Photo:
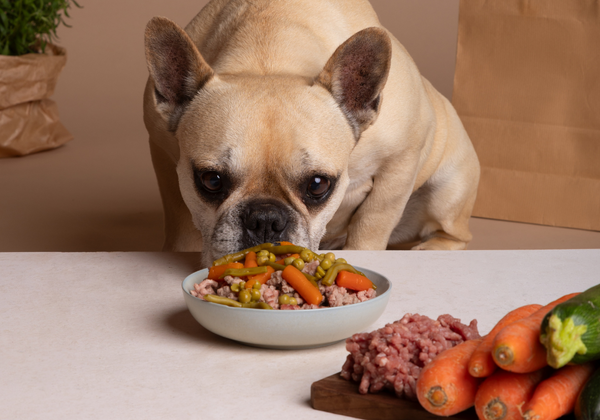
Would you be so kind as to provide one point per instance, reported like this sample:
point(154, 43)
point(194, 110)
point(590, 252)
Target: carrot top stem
point(437, 396)
point(495, 410)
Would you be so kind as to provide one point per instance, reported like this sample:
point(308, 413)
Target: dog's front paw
point(441, 244)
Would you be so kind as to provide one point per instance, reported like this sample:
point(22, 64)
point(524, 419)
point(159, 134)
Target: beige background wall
point(98, 193)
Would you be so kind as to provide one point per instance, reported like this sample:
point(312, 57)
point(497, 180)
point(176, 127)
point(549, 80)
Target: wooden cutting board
point(336, 395)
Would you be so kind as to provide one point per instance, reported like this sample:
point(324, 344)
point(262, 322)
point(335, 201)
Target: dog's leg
point(180, 233)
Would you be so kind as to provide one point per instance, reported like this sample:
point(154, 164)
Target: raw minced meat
point(392, 357)
point(276, 286)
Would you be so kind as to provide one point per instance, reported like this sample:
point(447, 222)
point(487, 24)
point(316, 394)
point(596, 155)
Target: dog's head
point(264, 158)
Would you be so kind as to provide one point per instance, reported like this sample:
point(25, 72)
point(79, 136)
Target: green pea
point(341, 260)
point(284, 300)
point(244, 296)
point(330, 256)
point(320, 272)
point(288, 260)
point(235, 287)
point(262, 260)
point(298, 263)
point(257, 285)
point(293, 301)
point(272, 257)
point(307, 255)
point(326, 264)
point(255, 295)
point(264, 252)
point(242, 285)
point(321, 257)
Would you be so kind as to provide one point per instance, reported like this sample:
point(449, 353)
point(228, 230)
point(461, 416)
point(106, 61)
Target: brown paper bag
point(527, 88)
point(29, 121)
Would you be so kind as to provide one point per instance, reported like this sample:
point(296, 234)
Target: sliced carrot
point(282, 261)
point(482, 363)
point(217, 271)
point(261, 278)
point(285, 243)
point(353, 281)
point(556, 396)
point(501, 395)
point(445, 386)
point(517, 347)
point(250, 260)
point(298, 281)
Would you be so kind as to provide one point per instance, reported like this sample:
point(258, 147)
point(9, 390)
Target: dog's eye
point(318, 186)
point(212, 181)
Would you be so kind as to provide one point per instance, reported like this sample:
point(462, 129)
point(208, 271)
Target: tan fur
point(268, 104)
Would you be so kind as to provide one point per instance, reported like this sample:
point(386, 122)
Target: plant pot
point(29, 121)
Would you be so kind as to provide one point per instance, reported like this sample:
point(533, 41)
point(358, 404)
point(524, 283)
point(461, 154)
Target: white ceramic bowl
point(287, 329)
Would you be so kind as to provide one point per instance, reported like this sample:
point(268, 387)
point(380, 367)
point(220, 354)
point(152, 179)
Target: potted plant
point(29, 68)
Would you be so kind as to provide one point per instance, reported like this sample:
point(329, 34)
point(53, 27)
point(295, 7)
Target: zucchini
point(571, 331)
point(587, 406)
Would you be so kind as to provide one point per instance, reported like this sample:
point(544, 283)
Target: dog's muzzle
point(264, 222)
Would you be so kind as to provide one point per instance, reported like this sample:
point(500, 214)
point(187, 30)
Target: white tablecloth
point(108, 336)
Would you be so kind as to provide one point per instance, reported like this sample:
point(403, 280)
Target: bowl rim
point(326, 308)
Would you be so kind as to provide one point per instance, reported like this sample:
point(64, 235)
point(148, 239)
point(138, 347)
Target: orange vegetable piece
point(557, 395)
point(501, 395)
point(261, 278)
point(250, 260)
point(217, 271)
point(298, 281)
point(517, 347)
point(445, 386)
point(482, 363)
point(353, 281)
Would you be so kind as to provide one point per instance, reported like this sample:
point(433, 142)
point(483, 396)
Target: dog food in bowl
point(283, 276)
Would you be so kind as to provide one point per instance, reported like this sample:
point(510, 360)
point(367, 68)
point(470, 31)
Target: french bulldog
point(304, 121)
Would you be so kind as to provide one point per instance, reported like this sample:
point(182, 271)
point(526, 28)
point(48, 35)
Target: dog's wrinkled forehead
point(250, 124)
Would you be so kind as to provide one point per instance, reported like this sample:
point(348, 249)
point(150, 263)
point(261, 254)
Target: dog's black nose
point(264, 222)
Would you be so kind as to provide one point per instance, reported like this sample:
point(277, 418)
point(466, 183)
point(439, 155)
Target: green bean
point(257, 305)
point(240, 272)
point(237, 256)
point(275, 266)
point(286, 249)
point(222, 301)
point(332, 273)
point(320, 271)
point(288, 260)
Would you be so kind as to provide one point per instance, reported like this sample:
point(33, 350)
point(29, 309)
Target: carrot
point(444, 386)
point(517, 347)
point(353, 281)
point(556, 396)
point(261, 278)
point(217, 271)
point(282, 261)
point(250, 260)
point(501, 395)
point(298, 281)
point(285, 243)
point(482, 363)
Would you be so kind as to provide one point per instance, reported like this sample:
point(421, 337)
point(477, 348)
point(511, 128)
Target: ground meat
point(207, 287)
point(270, 295)
point(276, 286)
point(393, 356)
point(311, 267)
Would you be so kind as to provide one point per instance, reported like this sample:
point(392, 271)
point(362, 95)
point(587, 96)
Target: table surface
point(108, 335)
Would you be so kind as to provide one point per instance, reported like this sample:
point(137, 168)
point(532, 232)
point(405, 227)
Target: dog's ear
point(356, 74)
point(176, 67)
